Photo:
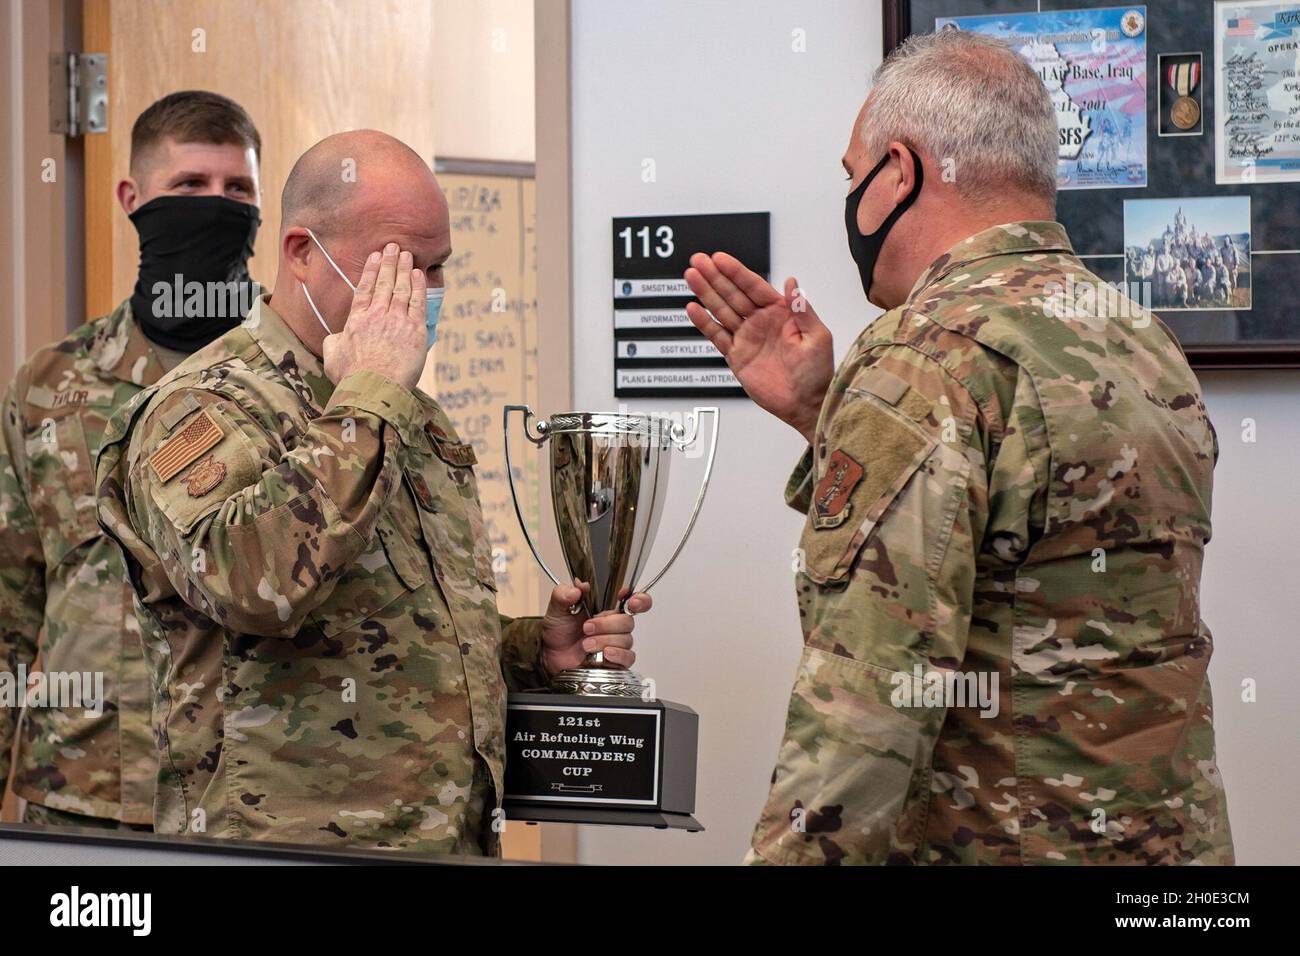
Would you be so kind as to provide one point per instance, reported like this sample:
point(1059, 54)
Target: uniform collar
point(121, 351)
point(299, 366)
point(1013, 238)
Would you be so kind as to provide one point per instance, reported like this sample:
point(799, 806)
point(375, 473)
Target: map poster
point(1257, 92)
point(1094, 65)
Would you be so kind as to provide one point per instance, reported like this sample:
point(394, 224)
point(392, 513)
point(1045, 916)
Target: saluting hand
point(568, 638)
point(775, 344)
point(385, 331)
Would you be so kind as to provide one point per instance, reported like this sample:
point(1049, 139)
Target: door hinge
point(78, 93)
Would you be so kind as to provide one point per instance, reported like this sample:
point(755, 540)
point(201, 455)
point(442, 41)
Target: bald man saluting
point(305, 540)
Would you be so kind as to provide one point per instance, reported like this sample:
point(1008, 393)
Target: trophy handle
point(542, 433)
point(682, 440)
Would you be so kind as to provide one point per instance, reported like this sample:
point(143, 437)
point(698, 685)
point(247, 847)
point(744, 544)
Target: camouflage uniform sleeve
point(22, 569)
point(798, 489)
point(251, 533)
point(521, 653)
point(894, 523)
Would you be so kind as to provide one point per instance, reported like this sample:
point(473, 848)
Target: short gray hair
point(970, 99)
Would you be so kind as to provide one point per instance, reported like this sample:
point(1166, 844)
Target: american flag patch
point(182, 448)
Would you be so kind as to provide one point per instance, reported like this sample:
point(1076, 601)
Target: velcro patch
point(454, 453)
point(885, 385)
point(204, 476)
point(172, 417)
point(881, 451)
point(185, 446)
point(421, 489)
point(843, 472)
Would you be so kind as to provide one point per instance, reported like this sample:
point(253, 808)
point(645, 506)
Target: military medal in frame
point(1179, 103)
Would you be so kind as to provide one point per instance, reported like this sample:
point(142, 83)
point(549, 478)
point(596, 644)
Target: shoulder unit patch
point(843, 472)
point(204, 476)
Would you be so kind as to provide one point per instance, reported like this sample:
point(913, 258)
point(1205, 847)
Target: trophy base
point(590, 816)
point(600, 682)
point(604, 760)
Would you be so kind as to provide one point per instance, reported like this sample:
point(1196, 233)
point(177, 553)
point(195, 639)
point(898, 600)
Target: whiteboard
point(486, 358)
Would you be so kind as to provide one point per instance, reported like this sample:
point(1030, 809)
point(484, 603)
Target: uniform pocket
point(371, 583)
point(201, 485)
point(847, 788)
point(450, 511)
point(62, 484)
point(867, 458)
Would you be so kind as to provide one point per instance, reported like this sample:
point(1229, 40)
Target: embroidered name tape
point(454, 454)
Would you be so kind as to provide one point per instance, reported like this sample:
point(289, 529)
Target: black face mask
point(865, 249)
point(207, 242)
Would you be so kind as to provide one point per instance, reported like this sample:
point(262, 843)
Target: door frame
point(98, 206)
point(554, 181)
point(34, 208)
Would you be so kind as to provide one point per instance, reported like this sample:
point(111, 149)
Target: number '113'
point(663, 245)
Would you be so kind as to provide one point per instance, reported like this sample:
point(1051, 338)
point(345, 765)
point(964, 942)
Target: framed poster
point(1204, 201)
point(1094, 67)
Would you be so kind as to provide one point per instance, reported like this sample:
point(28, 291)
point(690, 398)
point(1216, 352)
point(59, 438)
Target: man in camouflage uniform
point(305, 537)
point(64, 596)
point(1008, 476)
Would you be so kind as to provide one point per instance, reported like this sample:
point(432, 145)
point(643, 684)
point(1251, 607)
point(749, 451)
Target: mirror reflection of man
point(310, 554)
point(993, 489)
point(192, 194)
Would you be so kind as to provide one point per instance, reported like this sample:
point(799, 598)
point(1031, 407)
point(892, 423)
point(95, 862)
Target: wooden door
point(302, 69)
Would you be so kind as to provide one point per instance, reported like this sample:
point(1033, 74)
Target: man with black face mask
point(1007, 497)
point(85, 753)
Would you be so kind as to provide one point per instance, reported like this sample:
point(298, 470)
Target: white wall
point(736, 121)
point(1251, 601)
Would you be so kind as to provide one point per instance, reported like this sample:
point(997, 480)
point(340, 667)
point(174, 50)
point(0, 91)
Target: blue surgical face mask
point(432, 309)
point(432, 300)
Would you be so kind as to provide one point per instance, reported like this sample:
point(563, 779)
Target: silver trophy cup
point(609, 476)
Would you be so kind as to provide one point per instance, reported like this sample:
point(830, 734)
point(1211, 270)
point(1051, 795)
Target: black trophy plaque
point(604, 760)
